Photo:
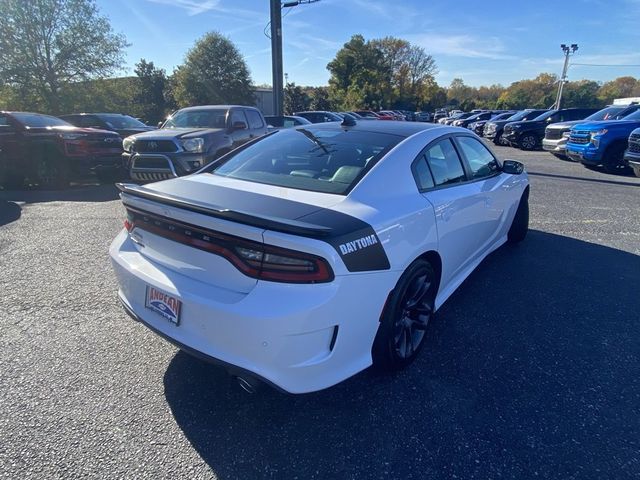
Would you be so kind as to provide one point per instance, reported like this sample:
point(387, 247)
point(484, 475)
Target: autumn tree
point(214, 72)
point(46, 44)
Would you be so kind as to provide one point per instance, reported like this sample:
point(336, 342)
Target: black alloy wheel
point(498, 140)
point(407, 315)
point(528, 141)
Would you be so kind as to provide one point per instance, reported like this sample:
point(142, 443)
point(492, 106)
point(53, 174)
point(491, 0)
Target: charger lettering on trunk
point(359, 244)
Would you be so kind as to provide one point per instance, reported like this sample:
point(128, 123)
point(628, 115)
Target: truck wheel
point(613, 159)
point(498, 140)
point(52, 171)
point(636, 170)
point(528, 142)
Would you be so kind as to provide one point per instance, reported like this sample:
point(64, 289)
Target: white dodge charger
point(309, 254)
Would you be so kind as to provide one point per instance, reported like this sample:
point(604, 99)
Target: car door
point(10, 147)
point(460, 212)
point(487, 185)
point(256, 125)
point(238, 134)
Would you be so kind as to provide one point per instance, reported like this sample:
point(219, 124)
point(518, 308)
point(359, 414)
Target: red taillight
point(254, 259)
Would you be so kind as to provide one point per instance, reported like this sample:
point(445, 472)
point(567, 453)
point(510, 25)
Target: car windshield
point(320, 160)
point(37, 120)
point(502, 116)
point(114, 120)
point(545, 115)
point(197, 119)
point(519, 116)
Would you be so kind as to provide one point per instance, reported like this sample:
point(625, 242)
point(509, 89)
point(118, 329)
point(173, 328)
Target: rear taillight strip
point(316, 270)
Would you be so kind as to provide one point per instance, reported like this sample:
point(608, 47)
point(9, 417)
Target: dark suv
point(123, 125)
point(528, 134)
point(319, 116)
point(50, 152)
point(189, 139)
point(494, 129)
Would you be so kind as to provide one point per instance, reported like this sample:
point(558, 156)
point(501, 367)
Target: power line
point(606, 65)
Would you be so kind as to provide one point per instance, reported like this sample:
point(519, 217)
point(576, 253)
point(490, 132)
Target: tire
point(406, 317)
point(528, 142)
point(613, 160)
point(520, 225)
point(636, 169)
point(497, 140)
point(52, 172)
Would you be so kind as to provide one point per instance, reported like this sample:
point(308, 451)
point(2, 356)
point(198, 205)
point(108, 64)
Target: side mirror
point(239, 126)
point(512, 167)
point(160, 124)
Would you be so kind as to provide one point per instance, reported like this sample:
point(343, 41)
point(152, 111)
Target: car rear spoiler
point(278, 224)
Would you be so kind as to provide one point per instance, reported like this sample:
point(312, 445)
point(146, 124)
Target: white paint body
point(282, 332)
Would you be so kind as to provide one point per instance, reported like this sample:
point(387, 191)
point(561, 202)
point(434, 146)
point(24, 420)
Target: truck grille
point(553, 133)
point(580, 137)
point(634, 143)
point(154, 146)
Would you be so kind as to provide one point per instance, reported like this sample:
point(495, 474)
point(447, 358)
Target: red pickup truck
point(50, 152)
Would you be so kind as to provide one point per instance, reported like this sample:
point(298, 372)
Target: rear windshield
point(320, 160)
point(36, 120)
point(197, 119)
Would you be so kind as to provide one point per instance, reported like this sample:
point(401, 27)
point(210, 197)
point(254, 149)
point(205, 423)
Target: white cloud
point(193, 7)
point(461, 46)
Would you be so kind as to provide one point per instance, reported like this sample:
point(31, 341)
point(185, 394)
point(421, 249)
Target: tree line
point(60, 56)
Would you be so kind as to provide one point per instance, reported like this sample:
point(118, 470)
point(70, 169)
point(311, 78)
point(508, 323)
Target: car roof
point(95, 113)
point(405, 129)
point(224, 107)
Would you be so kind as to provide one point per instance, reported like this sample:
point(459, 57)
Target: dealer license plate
point(163, 304)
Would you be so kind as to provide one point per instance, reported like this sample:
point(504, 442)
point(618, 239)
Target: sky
point(483, 42)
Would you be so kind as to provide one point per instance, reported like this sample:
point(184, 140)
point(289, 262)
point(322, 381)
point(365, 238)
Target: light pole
point(568, 50)
point(276, 50)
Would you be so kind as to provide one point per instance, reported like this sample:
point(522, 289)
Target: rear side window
point(238, 116)
point(4, 125)
point(316, 159)
point(445, 164)
point(481, 162)
point(255, 120)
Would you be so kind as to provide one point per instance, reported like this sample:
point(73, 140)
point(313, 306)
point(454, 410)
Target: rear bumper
point(281, 333)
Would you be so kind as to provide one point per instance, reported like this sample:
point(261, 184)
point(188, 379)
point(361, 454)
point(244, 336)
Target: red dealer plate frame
point(167, 306)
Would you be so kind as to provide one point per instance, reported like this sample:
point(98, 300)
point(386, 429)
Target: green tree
point(45, 44)
point(214, 72)
point(295, 99)
point(581, 94)
point(320, 100)
point(149, 96)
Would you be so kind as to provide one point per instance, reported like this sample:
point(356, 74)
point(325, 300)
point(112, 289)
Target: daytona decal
point(360, 243)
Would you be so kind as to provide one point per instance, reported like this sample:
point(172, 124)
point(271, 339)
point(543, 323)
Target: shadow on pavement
point(9, 212)
point(532, 370)
point(585, 179)
point(79, 193)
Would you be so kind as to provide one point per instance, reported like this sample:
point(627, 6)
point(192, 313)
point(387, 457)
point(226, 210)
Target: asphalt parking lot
point(532, 369)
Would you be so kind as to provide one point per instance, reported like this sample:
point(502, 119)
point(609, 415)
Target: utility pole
point(276, 50)
point(276, 56)
point(568, 50)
